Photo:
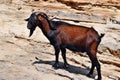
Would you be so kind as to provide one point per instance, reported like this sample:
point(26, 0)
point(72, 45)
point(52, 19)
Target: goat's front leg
point(57, 50)
point(64, 57)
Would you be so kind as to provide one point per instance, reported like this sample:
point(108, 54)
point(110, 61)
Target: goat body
point(73, 37)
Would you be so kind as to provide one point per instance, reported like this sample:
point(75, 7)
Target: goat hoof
point(99, 78)
point(89, 75)
point(66, 65)
point(56, 65)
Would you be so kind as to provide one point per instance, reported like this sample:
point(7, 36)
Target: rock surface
point(18, 52)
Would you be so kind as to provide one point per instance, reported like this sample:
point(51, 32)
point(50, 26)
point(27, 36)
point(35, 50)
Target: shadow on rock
point(71, 68)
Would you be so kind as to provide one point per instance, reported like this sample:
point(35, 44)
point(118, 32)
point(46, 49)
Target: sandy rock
point(18, 52)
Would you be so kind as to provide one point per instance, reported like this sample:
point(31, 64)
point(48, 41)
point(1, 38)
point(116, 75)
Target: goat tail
point(101, 35)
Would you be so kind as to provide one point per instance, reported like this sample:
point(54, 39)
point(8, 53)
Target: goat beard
point(31, 32)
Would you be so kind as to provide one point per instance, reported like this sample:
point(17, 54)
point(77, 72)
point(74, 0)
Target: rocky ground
point(18, 52)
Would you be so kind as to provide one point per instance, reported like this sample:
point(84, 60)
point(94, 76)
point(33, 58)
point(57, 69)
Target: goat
point(67, 36)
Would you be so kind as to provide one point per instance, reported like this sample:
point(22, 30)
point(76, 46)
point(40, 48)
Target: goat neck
point(44, 25)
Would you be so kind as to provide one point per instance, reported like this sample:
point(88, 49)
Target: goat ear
point(26, 19)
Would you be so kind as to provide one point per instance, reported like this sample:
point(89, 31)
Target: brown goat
point(63, 35)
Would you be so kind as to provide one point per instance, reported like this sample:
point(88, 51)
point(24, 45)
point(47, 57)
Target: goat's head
point(34, 21)
point(31, 25)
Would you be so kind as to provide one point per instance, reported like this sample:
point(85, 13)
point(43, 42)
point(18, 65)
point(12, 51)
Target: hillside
point(18, 52)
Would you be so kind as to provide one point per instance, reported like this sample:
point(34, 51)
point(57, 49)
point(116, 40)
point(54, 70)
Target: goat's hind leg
point(57, 51)
point(91, 70)
point(64, 57)
point(92, 66)
point(95, 63)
